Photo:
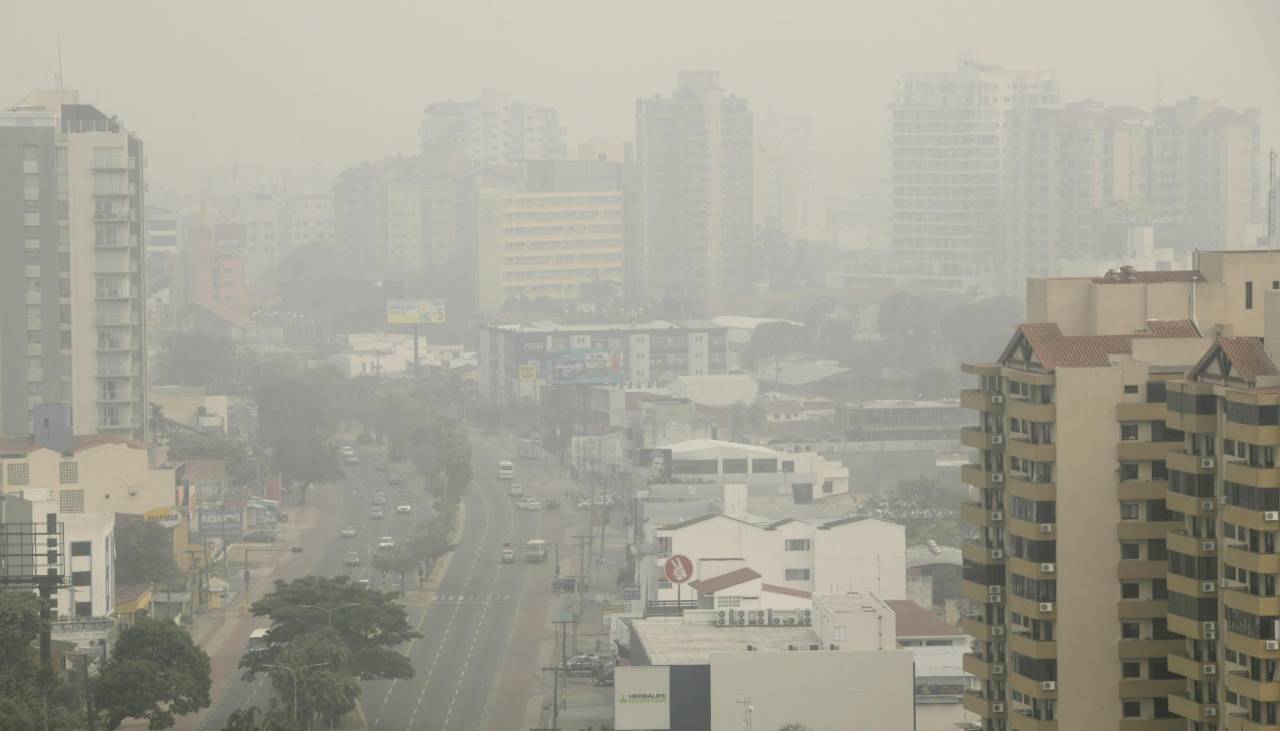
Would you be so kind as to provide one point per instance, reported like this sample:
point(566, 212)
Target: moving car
point(387, 543)
point(529, 503)
point(584, 666)
point(551, 503)
point(346, 450)
point(535, 551)
point(352, 559)
point(259, 536)
point(395, 479)
point(349, 531)
point(379, 498)
point(258, 640)
point(506, 470)
point(564, 584)
point(516, 490)
point(350, 459)
point(404, 509)
point(375, 514)
point(508, 553)
point(362, 583)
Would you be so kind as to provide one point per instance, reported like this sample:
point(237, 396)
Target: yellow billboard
point(415, 312)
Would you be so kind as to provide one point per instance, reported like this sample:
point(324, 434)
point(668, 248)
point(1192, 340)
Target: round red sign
point(678, 569)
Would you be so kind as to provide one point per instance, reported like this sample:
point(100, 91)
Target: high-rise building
point(786, 178)
point(492, 130)
point(947, 146)
point(72, 270)
point(695, 157)
point(1079, 536)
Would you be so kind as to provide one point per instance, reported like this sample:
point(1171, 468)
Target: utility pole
point(562, 627)
point(293, 673)
point(555, 697)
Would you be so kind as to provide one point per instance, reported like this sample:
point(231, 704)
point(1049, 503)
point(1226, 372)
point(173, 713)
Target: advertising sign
point(212, 519)
point(642, 698)
point(528, 371)
point(654, 465)
point(591, 366)
point(166, 517)
point(415, 312)
point(678, 569)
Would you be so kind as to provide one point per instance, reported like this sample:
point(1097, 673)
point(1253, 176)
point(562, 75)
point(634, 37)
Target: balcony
point(114, 397)
point(118, 216)
point(1241, 722)
point(1137, 649)
point(1196, 464)
point(115, 242)
point(1191, 586)
point(1144, 451)
point(972, 436)
point(1199, 506)
point(1242, 472)
point(1021, 643)
point(1151, 688)
point(973, 474)
point(1022, 408)
point(1141, 490)
point(1178, 540)
point(1143, 530)
point(975, 703)
point(1182, 705)
point(1190, 669)
point(1032, 569)
point(1255, 519)
point(1267, 692)
point(110, 163)
point(975, 551)
point(982, 668)
point(1251, 434)
point(1261, 563)
point(1258, 606)
point(1020, 446)
point(1020, 485)
point(113, 346)
point(1192, 628)
point(1033, 688)
point(1032, 608)
point(1033, 531)
point(1152, 724)
point(1022, 721)
point(1142, 608)
point(116, 320)
point(977, 629)
point(977, 400)
point(113, 293)
point(1141, 412)
point(1249, 646)
point(117, 371)
point(976, 514)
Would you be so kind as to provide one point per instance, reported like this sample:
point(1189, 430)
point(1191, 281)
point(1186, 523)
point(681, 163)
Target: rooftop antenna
point(57, 79)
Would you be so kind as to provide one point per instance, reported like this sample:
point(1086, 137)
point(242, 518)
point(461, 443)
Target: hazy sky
point(263, 84)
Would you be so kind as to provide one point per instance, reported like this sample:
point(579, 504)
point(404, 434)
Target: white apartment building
point(72, 304)
point(491, 130)
point(853, 554)
point(786, 176)
point(807, 476)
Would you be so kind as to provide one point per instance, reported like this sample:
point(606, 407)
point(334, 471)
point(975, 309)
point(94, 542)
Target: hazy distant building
point(563, 230)
point(695, 155)
point(606, 150)
point(210, 285)
point(310, 219)
point(948, 142)
point(72, 217)
point(786, 182)
point(492, 130)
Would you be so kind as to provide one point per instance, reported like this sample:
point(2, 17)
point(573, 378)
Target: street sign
point(678, 569)
point(166, 517)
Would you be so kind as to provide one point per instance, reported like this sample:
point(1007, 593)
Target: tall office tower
point(695, 156)
point(1079, 537)
point(72, 300)
point(786, 180)
point(947, 147)
point(492, 130)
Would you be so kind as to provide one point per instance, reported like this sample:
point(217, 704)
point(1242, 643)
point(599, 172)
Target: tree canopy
point(143, 553)
point(190, 358)
point(241, 469)
point(156, 672)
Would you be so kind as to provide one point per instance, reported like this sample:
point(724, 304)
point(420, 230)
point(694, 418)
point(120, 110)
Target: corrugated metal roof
point(725, 581)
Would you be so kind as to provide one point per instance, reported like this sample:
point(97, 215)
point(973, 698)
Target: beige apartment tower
point(1115, 551)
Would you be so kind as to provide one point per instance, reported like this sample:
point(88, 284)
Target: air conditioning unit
point(1208, 669)
point(997, 399)
point(1047, 568)
point(994, 589)
point(997, 670)
point(720, 622)
point(1222, 499)
point(997, 708)
point(997, 631)
point(1207, 505)
point(1207, 587)
point(1206, 463)
point(1208, 635)
point(1271, 645)
point(775, 620)
point(833, 647)
point(996, 598)
point(1210, 712)
point(1046, 606)
point(1046, 527)
point(751, 620)
point(1271, 516)
point(1209, 626)
point(1049, 685)
point(997, 477)
point(1209, 546)
point(997, 553)
point(996, 516)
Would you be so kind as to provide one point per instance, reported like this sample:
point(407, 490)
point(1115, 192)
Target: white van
point(506, 470)
point(258, 640)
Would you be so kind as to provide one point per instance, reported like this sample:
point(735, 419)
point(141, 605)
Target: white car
point(516, 490)
point(386, 544)
point(349, 532)
point(404, 509)
point(529, 503)
point(347, 449)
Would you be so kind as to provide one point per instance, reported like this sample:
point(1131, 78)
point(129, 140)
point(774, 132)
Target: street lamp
point(293, 673)
point(330, 611)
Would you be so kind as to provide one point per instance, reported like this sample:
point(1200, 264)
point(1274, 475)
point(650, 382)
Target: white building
point(730, 389)
point(786, 176)
point(94, 474)
point(85, 548)
point(806, 475)
point(491, 130)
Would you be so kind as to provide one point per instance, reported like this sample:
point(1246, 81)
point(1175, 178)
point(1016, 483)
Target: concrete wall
point(115, 478)
point(825, 691)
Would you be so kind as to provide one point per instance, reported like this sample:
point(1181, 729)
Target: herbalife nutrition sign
point(642, 698)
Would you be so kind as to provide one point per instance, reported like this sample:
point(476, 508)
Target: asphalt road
point(467, 628)
point(347, 502)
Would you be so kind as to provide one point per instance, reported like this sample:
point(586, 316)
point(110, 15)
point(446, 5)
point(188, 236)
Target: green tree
point(369, 632)
point(399, 560)
point(774, 339)
point(304, 460)
point(196, 359)
point(241, 468)
point(325, 686)
point(24, 685)
point(143, 553)
point(156, 672)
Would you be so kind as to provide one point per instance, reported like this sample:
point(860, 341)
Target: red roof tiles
point(1248, 358)
point(724, 581)
point(913, 620)
point(1173, 329)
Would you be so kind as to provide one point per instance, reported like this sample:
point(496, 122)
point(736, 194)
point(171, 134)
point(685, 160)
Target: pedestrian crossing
point(473, 599)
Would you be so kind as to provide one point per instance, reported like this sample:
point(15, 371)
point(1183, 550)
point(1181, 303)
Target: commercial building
point(82, 542)
point(695, 154)
point(805, 476)
point(1081, 466)
point(563, 230)
point(491, 130)
point(518, 361)
point(72, 304)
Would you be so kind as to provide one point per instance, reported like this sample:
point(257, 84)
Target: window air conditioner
point(1046, 606)
point(1207, 587)
point(1207, 505)
point(1271, 516)
point(994, 589)
point(1049, 685)
point(997, 708)
point(996, 516)
point(997, 553)
point(997, 398)
point(997, 477)
point(1210, 712)
point(997, 631)
point(1046, 527)
point(1209, 546)
point(1209, 626)
point(1271, 645)
point(1209, 670)
point(997, 439)
point(997, 670)
point(1206, 463)
point(1047, 568)
point(1208, 635)
point(996, 598)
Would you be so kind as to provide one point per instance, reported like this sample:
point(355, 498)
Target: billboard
point(588, 366)
point(653, 465)
point(528, 371)
point(642, 698)
point(415, 312)
point(214, 519)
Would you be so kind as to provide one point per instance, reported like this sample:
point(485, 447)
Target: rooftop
point(1129, 275)
point(22, 446)
point(672, 641)
point(854, 601)
point(555, 327)
point(725, 581)
point(913, 620)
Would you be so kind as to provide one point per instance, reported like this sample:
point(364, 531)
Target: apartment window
point(1131, 709)
point(81, 578)
point(81, 548)
point(1156, 392)
point(1129, 630)
point(797, 575)
point(1129, 590)
point(71, 501)
point(1129, 432)
point(1131, 388)
point(1248, 295)
point(68, 473)
point(798, 544)
point(728, 601)
point(1130, 551)
point(664, 545)
point(19, 474)
point(828, 487)
point(1128, 470)
point(1128, 510)
point(1275, 283)
point(761, 466)
point(788, 466)
point(1131, 670)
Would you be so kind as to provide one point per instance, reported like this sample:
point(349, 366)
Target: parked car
point(605, 678)
point(375, 514)
point(259, 536)
point(516, 490)
point(508, 553)
point(349, 531)
point(395, 479)
point(404, 509)
point(584, 505)
point(352, 559)
point(387, 543)
point(362, 583)
point(584, 666)
point(346, 450)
